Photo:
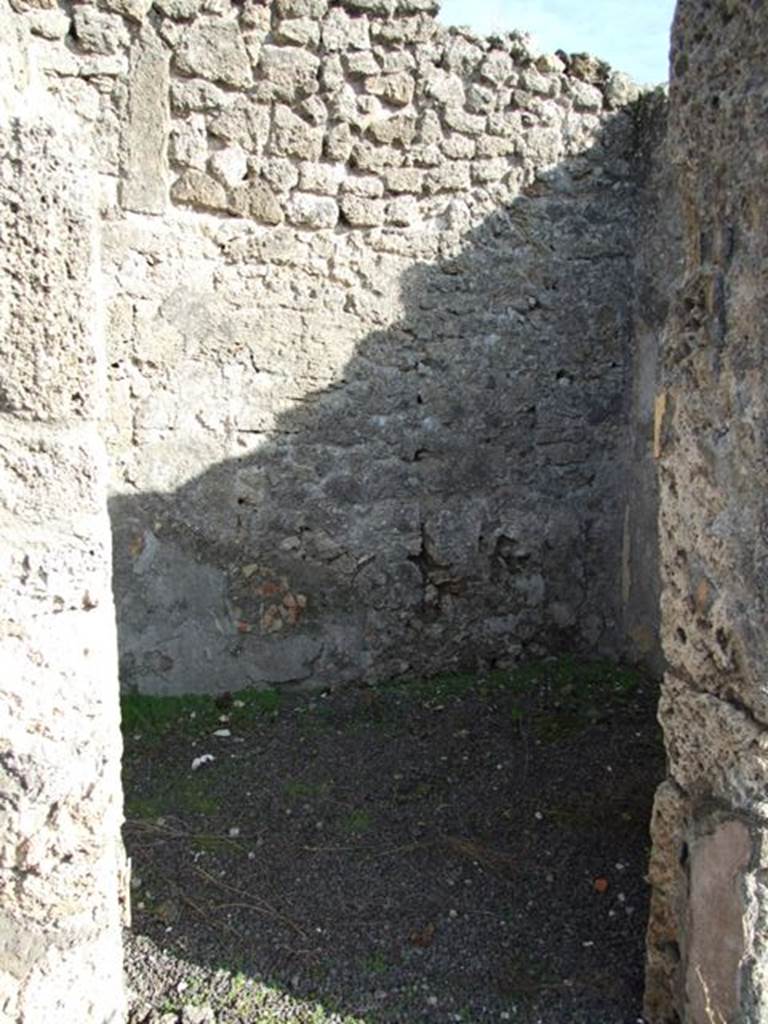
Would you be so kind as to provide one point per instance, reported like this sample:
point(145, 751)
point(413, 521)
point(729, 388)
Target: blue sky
point(632, 37)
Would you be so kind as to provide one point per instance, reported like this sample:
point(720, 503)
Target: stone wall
point(707, 937)
point(369, 325)
point(60, 806)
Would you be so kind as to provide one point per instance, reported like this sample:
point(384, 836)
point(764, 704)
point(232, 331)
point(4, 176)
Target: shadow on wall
point(453, 498)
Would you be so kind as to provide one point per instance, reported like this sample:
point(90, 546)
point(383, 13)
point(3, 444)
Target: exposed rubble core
point(368, 289)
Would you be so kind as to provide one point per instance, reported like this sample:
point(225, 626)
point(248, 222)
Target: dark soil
point(467, 849)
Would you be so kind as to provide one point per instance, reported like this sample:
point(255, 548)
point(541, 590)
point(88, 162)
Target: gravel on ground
point(468, 849)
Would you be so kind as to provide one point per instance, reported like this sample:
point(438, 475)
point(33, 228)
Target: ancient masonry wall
point(60, 806)
point(707, 937)
point(369, 310)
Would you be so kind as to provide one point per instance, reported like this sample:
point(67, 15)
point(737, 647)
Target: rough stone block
point(292, 136)
point(361, 64)
point(460, 121)
point(289, 74)
point(215, 50)
point(298, 32)
point(196, 188)
point(404, 179)
point(403, 211)
point(321, 178)
point(301, 8)
point(310, 211)
point(256, 200)
point(188, 144)
point(396, 88)
point(99, 33)
point(400, 128)
point(340, 32)
point(361, 212)
point(135, 10)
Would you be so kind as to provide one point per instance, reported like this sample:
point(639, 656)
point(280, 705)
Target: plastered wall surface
point(707, 955)
point(60, 806)
point(368, 290)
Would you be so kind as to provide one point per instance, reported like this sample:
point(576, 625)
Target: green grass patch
point(376, 963)
point(186, 794)
point(193, 714)
point(300, 789)
point(566, 675)
point(156, 716)
point(357, 822)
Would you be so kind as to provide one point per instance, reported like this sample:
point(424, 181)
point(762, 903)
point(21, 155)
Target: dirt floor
point(465, 849)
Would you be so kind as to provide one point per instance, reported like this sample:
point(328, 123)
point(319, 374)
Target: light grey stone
point(289, 74)
point(134, 10)
point(362, 212)
point(321, 178)
point(403, 211)
point(363, 185)
point(197, 95)
point(298, 31)
point(397, 128)
point(620, 90)
point(189, 142)
point(302, 8)
point(458, 147)
point(445, 86)
point(307, 210)
point(143, 148)
point(181, 10)
point(404, 179)
point(461, 121)
point(281, 173)
point(338, 143)
point(363, 63)
point(341, 32)
point(480, 99)
point(498, 67)
point(215, 50)
point(293, 137)
point(584, 95)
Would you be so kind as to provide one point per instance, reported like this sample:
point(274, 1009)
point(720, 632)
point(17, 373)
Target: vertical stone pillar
point(707, 959)
point(60, 803)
